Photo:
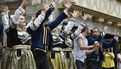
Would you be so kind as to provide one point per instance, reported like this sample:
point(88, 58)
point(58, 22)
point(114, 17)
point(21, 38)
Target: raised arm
point(34, 24)
point(61, 17)
point(5, 18)
point(112, 42)
point(18, 12)
point(71, 21)
point(49, 12)
point(81, 26)
point(106, 44)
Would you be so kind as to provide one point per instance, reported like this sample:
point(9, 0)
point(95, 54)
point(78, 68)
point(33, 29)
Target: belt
point(67, 51)
point(58, 49)
point(39, 51)
point(27, 47)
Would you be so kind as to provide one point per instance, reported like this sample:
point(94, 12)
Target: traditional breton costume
point(63, 57)
point(18, 54)
point(42, 41)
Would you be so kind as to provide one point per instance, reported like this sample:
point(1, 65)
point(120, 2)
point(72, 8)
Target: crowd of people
point(57, 44)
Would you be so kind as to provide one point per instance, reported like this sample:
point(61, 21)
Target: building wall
point(110, 7)
point(92, 24)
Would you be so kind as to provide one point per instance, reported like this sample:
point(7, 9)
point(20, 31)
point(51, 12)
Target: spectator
point(119, 60)
point(108, 62)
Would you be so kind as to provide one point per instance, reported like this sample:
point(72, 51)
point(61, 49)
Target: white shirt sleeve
point(79, 29)
point(65, 11)
point(5, 20)
point(118, 56)
point(17, 14)
point(54, 4)
point(28, 25)
point(70, 25)
point(34, 25)
point(103, 34)
point(116, 37)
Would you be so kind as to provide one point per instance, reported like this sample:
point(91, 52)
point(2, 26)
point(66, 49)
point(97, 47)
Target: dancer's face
point(22, 21)
point(89, 31)
point(95, 32)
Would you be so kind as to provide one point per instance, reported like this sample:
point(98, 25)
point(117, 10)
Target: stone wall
point(92, 24)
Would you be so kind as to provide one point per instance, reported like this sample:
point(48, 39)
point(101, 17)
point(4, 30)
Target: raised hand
point(3, 9)
point(23, 3)
point(33, 17)
point(68, 4)
point(116, 33)
point(7, 10)
point(105, 29)
point(84, 17)
point(75, 14)
point(46, 7)
point(56, 1)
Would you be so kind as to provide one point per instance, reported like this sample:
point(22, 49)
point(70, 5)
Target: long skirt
point(18, 57)
point(63, 59)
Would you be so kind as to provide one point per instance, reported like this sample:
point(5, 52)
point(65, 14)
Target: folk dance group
point(35, 45)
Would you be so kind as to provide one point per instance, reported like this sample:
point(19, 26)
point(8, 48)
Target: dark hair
point(96, 28)
point(84, 29)
point(109, 48)
point(64, 23)
point(38, 13)
point(62, 28)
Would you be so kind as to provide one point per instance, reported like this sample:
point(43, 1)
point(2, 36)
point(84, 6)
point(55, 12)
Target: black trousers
point(91, 64)
point(41, 60)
